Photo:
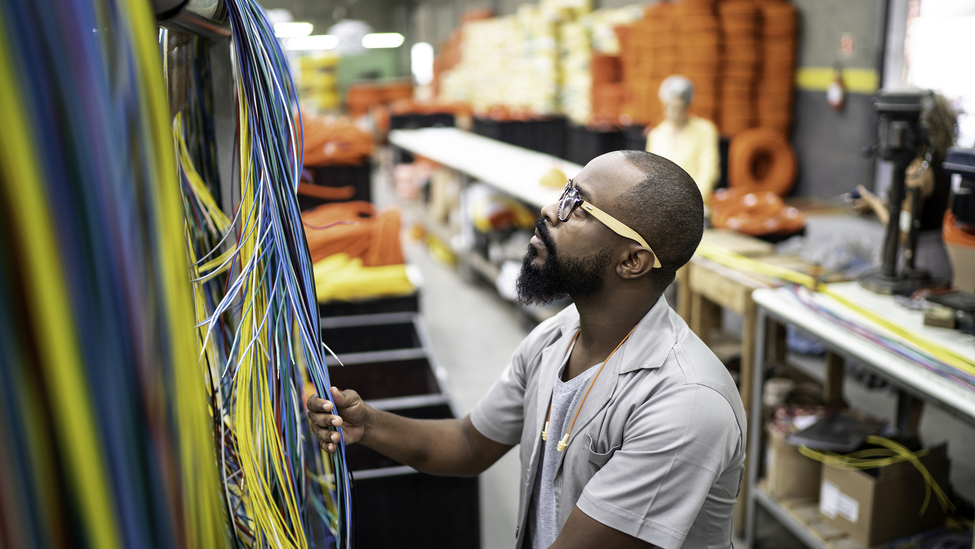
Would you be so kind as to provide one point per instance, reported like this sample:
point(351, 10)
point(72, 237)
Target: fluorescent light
point(316, 42)
point(421, 57)
point(292, 30)
point(382, 40)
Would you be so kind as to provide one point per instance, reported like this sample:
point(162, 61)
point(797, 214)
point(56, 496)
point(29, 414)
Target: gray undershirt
point(566, 397)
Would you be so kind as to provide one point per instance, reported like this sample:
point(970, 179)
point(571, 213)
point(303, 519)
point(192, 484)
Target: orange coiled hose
point(761, 159)
point(357, 229)
point(334, 141)
point(753, 213)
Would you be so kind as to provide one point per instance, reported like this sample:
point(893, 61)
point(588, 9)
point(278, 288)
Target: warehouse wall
point(828, 143)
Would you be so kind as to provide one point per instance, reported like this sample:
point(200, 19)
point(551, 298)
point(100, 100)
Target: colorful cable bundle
point(280, 490)
point(104, 436)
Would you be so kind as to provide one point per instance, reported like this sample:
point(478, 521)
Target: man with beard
point(632, 432)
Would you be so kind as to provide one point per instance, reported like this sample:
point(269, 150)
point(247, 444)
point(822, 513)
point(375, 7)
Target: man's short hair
point(666, 208)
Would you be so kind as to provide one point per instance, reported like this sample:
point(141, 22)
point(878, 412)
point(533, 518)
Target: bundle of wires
point(257, 308)
point(104, 435)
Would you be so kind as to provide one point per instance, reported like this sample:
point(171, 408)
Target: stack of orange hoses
point(648, 55)
point(739, 26)
point(356, 229)
point(699, 47)
point(607, 86)
point(334, 142)
point(761, 159)
point(777, 77)
point(753, 213)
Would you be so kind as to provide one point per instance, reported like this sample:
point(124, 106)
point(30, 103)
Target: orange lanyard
point(565, 440)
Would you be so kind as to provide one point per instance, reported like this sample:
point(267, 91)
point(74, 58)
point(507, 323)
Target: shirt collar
point(649, 344)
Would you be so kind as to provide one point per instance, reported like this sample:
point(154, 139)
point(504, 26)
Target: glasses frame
point(570, 193)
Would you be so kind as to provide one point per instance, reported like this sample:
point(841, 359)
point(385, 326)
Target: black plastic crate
point(409, 303)
point(633, 138)
point(399, 507)
point(417, 511)
point(387, 379)
point(361, 458)
point(549, 136)
point(358, 176)
point(585, 144)
point(489, 128)
point(416, 121)
point(364, 336)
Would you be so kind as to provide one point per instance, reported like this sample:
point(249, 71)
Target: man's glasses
point(571, 200)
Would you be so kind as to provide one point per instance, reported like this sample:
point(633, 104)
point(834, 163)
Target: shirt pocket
point(598, 454)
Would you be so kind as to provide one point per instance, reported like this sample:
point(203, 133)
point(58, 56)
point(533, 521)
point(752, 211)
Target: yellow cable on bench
point(739, 262)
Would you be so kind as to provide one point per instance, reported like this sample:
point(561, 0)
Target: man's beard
point(559, 278)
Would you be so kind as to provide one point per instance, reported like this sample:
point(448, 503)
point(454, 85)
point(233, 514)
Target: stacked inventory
point(698, 47)
point(317, 88)
point(576, 80)
point(586, 47)
point(495, 49)
point(739, 26)
point(607, 88)
point(605, 70)
point(649, 55)
point(775, 83)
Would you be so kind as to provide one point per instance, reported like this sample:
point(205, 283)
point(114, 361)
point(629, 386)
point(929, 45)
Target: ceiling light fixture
point(382, 40)
point(292, 30)
point(316, 42)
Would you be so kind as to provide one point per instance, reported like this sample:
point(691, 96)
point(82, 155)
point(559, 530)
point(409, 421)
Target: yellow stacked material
point(699, 47)
point(492, 50)
point(601, 24)
point(317, 86)
point(777, 75)
point(567, 9)
point(576, 90)
point(739, 27)
point(342, 277)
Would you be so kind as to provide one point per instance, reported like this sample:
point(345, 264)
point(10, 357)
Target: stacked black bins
point(388, 361)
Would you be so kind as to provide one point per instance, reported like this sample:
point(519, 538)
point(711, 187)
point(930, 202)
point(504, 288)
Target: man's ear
point(636, 262)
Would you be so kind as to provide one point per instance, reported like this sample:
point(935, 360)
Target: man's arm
point(582, 531)
point(435, 446)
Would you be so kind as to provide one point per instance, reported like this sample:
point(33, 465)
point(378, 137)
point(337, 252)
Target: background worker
point(689, 141)
point(631, 431)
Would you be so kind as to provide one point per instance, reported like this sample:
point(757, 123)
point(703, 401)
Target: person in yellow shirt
point(689, 141)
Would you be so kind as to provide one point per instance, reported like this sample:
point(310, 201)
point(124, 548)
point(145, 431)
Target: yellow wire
point(892, 452)
point(742, 263)
point(202, 507)
point(259, 446)
point(48, 298)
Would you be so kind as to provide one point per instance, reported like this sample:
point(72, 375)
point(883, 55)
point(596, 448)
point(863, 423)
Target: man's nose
point(551, 213)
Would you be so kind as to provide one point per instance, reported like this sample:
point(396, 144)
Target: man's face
point(559, 277)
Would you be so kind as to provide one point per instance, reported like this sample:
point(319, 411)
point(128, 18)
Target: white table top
point(514, 170)
point(932, 387)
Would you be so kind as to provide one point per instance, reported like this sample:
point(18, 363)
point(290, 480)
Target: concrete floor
point(473, 332)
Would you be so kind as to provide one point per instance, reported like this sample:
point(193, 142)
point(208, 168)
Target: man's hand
point(352, 416)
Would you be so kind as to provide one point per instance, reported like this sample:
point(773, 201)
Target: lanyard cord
point(565, 440)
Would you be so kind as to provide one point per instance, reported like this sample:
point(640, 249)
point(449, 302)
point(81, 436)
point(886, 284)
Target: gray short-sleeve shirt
point(659, 445)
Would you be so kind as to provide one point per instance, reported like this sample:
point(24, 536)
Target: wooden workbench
point(705, 288)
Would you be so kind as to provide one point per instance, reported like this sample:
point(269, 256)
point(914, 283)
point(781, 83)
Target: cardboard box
point(874, 510)
point(963, 264)
point(789, 473)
